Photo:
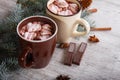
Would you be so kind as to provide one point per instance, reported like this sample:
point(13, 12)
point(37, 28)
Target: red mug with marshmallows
point(37, 41)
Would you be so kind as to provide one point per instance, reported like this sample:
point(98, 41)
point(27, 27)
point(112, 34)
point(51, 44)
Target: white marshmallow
point(67, 12)
point(22, 31)
point(34, 27)
point(45, 32)
point(53, 8)
point(47, 27)
point(29, 24)
point(30, 36)
point(73, 7)
point(44, 37)
point(61, 3)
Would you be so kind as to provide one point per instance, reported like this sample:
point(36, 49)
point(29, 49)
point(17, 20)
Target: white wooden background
point(101, 61)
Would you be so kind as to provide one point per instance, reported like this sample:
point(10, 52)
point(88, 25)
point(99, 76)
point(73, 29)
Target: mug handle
point(26, 58)
point(84, 23)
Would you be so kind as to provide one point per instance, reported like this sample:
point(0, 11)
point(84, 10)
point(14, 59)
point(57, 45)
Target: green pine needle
point(7, 66)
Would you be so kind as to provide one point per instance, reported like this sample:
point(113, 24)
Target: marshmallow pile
point(36, 31)
point(62, 7)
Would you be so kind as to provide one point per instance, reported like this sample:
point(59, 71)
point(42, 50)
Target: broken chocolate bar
point(69, 54)
point(78, 55)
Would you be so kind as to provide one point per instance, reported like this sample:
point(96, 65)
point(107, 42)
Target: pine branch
point(7, 66)
point(85, 13)
point(9, 23)
point(90, 21)
point(33, 7)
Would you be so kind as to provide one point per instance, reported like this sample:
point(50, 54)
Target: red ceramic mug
point(36, 53)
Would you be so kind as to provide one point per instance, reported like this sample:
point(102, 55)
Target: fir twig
point(6, 66)
point(8, 36)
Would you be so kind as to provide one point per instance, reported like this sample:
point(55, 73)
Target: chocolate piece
point(69, 54)
point(78, 55)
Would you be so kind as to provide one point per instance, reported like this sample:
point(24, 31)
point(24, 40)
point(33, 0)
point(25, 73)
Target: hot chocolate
point(63, 7)
point(67, 15)
point(36, 31)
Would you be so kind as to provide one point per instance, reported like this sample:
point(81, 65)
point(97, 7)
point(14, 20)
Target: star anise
point(62, 77)
point(93, 39)
point(63, 45)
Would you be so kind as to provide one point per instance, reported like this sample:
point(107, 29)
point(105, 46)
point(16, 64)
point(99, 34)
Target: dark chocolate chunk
point(78, 55)
point(69, 54)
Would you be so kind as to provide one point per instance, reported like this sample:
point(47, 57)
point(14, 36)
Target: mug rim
point(66, 15)
point(37, 41)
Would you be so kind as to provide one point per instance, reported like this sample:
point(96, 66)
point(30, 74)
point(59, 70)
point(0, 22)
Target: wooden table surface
point(101, 61)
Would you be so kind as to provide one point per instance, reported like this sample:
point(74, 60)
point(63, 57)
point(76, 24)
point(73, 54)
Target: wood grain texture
point(101, 61)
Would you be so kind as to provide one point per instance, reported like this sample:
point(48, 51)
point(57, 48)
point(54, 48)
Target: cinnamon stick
point(100, 28)
point(92, 10)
